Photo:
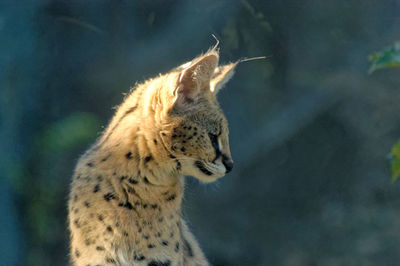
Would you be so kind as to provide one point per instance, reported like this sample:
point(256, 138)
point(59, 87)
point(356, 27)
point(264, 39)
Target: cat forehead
point(211, 119)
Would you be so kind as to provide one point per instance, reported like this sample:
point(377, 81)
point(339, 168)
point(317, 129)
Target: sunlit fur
point(158, 134)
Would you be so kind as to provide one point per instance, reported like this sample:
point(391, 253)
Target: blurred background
point(311, 130)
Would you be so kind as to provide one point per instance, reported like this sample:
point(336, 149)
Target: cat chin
point(206, 172)
point(208, 179)
point(214, 172)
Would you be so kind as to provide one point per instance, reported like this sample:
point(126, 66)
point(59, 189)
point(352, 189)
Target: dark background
point(310, 129)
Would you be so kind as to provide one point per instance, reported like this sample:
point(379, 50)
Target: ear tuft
point(222, 75)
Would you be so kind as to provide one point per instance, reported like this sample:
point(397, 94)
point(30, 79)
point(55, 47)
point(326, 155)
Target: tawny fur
point(126, 193)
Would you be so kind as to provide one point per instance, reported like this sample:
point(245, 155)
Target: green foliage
point(395, 161)
point(73, 130)
point(389, 57)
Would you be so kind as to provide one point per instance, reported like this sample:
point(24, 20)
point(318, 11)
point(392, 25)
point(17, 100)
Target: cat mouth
point(209, 168)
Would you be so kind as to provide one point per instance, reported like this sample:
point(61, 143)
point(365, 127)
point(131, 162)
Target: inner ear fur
point(196, 78)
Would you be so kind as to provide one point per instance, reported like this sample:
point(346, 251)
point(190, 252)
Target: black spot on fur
point(173, 148)
point(100, 217)
point(131, 190)
point(132, 181)
point(127, 205)
point(75, 197)
point(100, 248)
point(165, 243)
point(159, 263)
point(87, 204)
point(153, 206)
point(110, 260)
point(177, 247)
point(122, 178)
point(172, 197)
point(109, 228)
point(129, 155)
point(155, 141)
point(178, 165)
point(106, 158)
point(146, 236)
point(139, 257)
point(158, 234)
point(183, 149)
point(146, 180)
point(96, 188)
point(90, 164)
point(150, 246)
point(172, 156)
point(77, 253)
point(148, 158)
point(144, 206)
point(125, 233)
point(77, 224)
point(100, 178)
point(202, 168)
point(109, 196)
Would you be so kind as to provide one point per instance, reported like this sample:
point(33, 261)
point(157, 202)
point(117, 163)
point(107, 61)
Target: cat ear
point(222, 75)
point(194, 78)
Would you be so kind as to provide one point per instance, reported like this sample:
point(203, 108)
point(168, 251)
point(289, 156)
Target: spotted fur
point(126, 193)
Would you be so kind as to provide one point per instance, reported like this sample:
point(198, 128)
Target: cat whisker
point(252, 58)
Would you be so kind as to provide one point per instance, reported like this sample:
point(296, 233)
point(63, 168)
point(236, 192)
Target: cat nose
point(228, 163)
